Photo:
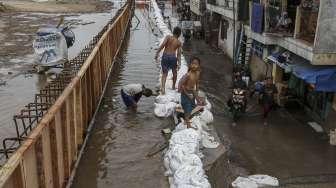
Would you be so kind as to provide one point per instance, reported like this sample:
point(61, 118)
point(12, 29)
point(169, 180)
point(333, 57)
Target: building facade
point(221, 21)
point(294, 41)
point(297, 39)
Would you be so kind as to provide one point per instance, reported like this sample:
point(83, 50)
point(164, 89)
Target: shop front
point(311, 87)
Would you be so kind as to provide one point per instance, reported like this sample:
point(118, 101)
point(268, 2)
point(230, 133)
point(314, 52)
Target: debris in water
point(10, 73)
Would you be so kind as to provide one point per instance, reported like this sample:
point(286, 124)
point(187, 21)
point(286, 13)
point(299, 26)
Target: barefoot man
point(188, 86)
point(170, 60)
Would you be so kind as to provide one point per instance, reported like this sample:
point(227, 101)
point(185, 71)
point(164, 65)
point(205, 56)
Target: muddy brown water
point(17, 30)
point(116, 152)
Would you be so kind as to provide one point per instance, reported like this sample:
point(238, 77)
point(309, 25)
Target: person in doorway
point(188, 87)
point(132, 93)
point(268, 92)
point(171, 57)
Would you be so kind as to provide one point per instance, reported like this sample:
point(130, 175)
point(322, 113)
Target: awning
point(322, 77)
point(288, 67)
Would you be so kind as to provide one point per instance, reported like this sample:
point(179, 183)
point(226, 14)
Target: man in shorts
point(171, 57)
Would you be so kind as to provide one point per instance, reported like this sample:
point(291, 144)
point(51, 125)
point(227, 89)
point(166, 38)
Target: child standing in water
point(189, 89)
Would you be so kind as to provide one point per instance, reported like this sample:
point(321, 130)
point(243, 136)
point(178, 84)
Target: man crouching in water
point(189, 89)
point(169, 60)
point(132, 93)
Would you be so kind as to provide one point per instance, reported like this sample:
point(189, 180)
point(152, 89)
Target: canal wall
point(49, 154)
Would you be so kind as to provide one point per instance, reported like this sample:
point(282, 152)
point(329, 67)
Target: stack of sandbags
point(183, 157)
point(183, 161)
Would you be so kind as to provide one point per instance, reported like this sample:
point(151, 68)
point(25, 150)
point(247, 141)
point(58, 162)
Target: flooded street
point(116, 152)
point(17, 31)
point(124, 147)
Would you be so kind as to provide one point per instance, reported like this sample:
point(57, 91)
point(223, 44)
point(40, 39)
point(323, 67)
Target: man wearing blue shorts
point(132, 93)
point(169, 59)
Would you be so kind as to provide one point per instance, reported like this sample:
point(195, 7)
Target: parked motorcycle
point(51, 46)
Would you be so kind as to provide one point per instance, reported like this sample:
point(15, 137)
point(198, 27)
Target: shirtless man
point(189, 89)
point(171, 45)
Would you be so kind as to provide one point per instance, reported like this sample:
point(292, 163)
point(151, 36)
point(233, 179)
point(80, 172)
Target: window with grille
point(224, 29)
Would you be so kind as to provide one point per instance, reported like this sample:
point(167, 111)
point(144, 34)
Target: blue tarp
point(323, 77)
point(257, 18)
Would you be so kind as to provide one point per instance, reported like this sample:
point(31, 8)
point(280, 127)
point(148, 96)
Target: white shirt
point(132, 89)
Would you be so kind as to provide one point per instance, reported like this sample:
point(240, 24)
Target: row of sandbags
point(183, 157)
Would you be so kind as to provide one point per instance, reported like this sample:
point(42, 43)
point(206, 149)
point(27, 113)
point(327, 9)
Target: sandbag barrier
point(182, 159)
point(59, 122)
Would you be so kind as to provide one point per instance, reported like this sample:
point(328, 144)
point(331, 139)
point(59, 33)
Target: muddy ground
point(65, 6)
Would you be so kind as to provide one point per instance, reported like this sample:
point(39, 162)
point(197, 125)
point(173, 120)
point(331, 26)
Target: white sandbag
point(208, 105)
point(242, 182)
point(166, 162)
point(197, 124)
point(163, 99)
point(185, 136)
point(209, 141)
point(190, 175)
point(164, 110)
point(255, 181)
point(180, 126)
point(206, 116)
point(264, 180)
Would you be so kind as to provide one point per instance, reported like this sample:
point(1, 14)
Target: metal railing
point(54, 127)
